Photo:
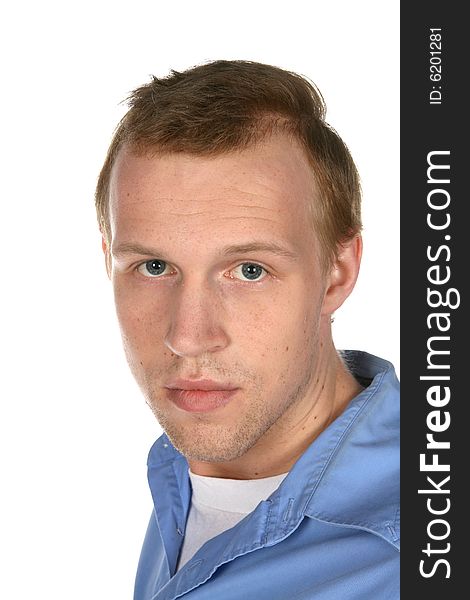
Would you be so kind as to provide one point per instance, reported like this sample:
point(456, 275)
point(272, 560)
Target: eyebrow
point(271, 247)
point(132, 248)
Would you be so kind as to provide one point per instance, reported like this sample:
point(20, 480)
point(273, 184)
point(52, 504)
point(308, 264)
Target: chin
point(208, 442)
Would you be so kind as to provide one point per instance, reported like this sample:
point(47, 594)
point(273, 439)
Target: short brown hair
point(223, 106)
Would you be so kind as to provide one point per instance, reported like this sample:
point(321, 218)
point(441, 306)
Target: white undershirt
point(219, 504)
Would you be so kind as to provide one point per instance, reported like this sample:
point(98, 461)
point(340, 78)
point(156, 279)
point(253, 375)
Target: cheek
point(141, 319)
point(283, 329)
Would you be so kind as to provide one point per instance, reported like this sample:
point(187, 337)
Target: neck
point(332, 388)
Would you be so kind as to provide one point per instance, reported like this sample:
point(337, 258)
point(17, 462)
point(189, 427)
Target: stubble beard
point(202, 438)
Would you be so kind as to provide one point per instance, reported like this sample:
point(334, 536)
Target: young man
point(230, 214)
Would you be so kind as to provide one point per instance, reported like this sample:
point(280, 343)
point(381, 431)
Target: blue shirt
point(329, 532)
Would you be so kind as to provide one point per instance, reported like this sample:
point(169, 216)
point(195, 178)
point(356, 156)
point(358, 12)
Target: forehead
point(263, 191)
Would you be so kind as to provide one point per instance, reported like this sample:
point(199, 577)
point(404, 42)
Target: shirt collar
point(350, 474)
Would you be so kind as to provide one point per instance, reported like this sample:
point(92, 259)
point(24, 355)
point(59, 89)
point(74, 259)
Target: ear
point(343, 275)
point(107, 254)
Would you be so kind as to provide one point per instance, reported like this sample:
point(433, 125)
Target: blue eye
point(153, 268)
point(249, 272)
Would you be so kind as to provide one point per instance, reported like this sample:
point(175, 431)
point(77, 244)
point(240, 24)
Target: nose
point(197, 324)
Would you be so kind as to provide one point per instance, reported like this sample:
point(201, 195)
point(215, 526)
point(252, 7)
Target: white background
point(74, 429)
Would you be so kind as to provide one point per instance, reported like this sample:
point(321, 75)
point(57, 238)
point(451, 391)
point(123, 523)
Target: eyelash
point(265, 273)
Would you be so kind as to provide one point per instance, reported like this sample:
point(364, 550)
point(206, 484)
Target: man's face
point(219, 292)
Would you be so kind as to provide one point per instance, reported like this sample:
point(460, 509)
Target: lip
point(201, 395)
point(207, 385)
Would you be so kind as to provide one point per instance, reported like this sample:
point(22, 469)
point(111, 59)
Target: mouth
point(200, 396)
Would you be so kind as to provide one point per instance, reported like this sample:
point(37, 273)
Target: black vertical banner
point(435, 267)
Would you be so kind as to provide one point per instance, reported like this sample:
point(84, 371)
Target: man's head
point(230, 220)
point(225, 106)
